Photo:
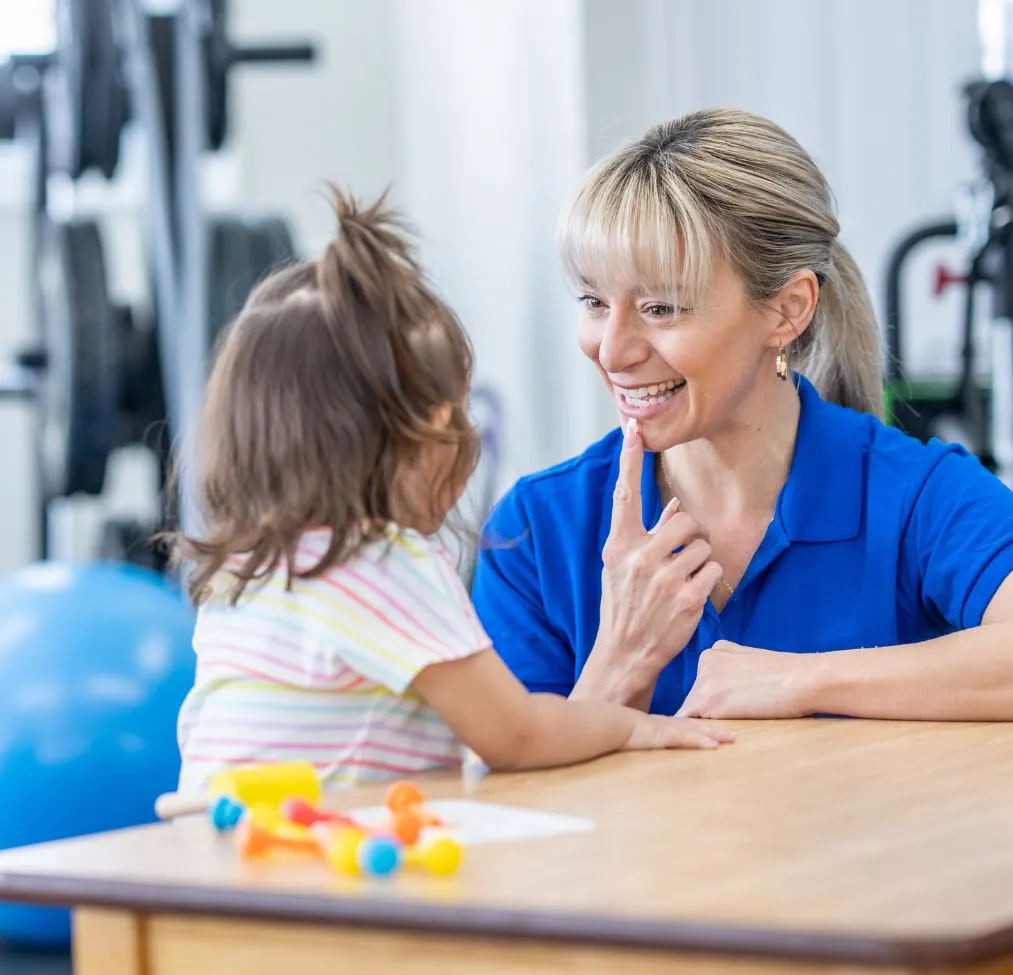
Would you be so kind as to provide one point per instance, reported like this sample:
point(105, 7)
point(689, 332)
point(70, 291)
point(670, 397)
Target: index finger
point(627, 510)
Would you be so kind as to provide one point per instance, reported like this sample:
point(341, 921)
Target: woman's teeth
point(651, 395)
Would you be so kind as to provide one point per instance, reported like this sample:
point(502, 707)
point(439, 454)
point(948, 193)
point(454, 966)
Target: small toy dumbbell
point(354, 852)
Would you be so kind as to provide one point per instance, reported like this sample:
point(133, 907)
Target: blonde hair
point(729, 183)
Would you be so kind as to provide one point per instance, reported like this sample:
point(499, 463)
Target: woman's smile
point(644, 402)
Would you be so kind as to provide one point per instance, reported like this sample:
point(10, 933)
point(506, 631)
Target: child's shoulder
point(403, 557)
point(407, 545)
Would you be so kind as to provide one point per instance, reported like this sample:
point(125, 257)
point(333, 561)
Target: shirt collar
point(824, 497)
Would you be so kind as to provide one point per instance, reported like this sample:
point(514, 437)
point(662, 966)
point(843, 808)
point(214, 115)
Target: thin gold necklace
point(671, 491)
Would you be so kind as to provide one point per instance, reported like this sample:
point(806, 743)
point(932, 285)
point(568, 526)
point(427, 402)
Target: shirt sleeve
point(957, 547)
point(508, 596)
point(398, 609)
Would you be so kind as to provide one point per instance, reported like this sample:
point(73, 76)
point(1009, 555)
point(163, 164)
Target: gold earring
point(781, 363)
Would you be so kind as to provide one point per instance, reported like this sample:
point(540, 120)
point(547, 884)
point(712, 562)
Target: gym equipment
point(100, 375)
point(926, 408)
point(179, 67)
point(80, 374)
point(87, 101)
point(218, 57)
point(242, 252)
point(87, 95)
point(78, 390)
point(979, 415)
point(96, 662)
point(127, 540)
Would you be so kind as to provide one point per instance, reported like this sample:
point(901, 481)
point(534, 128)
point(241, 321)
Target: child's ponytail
point(325, 392)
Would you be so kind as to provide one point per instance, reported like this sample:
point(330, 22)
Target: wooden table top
point(836, 839)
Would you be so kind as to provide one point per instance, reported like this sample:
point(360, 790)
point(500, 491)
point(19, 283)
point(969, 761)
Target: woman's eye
point(590, 302)
point(660, 311)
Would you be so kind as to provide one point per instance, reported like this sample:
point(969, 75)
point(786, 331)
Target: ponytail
point(370, 261)
point(844, 359)
point(326, 393)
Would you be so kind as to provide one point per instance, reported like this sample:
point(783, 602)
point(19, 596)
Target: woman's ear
point(795, 305)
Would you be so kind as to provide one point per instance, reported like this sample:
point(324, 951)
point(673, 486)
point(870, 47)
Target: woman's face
point(683, 373)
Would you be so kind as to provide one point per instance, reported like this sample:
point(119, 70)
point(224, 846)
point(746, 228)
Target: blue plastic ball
point(379, 856)
point(225, 813)
point(95, 660)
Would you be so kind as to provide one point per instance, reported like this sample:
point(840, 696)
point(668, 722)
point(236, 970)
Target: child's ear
point(441, 415)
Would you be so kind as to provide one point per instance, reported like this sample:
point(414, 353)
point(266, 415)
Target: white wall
point(493, 117)
point(336, 120)
point(484, 114)
point(17, 534)
point(871, 89)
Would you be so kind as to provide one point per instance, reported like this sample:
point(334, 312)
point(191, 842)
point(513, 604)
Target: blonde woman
point(751, 541)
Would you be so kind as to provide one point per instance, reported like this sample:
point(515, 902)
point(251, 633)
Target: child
point(332, 628)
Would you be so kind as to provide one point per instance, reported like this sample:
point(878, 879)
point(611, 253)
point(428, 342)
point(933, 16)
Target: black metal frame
point(171, 62)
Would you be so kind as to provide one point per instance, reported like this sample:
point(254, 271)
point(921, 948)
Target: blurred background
point(481, 117)
point(157, 157)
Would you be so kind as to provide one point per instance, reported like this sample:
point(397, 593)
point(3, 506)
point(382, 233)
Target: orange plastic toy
point(403, 797)
point(259, 833)
point(295, 824)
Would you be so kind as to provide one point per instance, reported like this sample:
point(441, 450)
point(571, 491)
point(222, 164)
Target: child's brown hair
point(326, 388)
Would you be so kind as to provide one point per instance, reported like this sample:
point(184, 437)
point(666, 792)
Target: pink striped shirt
point(322, 672)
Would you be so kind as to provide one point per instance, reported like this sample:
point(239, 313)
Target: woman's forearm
point(964, 676)
point(618, 679)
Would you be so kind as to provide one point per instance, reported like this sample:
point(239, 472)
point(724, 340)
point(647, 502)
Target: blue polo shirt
point(877, 539)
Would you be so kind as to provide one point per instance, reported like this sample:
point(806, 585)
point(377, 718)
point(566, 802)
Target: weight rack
point(975, 412)
point(96, 380)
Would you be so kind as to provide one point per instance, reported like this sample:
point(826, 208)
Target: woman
point(757, 543)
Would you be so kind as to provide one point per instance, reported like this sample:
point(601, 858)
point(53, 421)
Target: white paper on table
point(472, 822)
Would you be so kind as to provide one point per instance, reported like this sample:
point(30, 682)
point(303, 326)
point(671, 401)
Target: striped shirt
point(322, 672)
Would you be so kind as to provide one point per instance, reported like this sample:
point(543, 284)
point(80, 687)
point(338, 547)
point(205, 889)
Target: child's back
point(322, 671)
point(332, 443)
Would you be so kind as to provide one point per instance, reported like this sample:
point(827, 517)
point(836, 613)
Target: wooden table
point(812, 846)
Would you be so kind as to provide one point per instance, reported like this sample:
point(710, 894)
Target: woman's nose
point(621, 345)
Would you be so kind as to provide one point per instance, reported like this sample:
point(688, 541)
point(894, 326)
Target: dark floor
point(14, 962)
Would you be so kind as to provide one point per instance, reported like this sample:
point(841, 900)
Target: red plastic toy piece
point(303, 813)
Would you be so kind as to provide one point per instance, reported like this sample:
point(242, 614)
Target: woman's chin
point(661, 432)
point(655, 441)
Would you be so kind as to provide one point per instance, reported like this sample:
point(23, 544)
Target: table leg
point(108, 942)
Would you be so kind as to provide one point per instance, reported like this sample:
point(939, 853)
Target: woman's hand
point(652, 599)
point(733, 681)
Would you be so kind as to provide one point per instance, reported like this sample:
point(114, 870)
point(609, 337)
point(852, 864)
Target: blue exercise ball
point(95, 660)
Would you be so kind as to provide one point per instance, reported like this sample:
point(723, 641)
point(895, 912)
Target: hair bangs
point(630, 227)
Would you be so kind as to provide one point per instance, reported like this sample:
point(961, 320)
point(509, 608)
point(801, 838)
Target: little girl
point(332, 628)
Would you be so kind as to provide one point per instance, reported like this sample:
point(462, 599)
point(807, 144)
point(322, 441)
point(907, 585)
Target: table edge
point(715, 938)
